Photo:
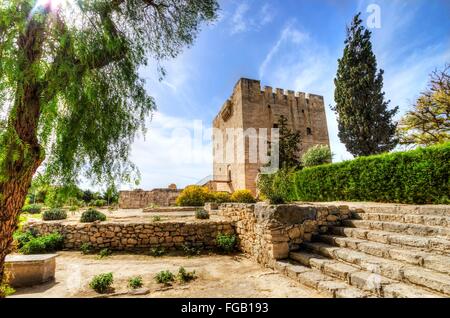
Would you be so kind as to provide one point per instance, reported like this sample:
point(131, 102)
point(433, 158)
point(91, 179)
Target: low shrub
point(43, 244)
point(317, 155)
point(220, 197)
point(102, 283)
point(157, 251)
point(193, 196)
point(6, 290)
point(98, 203)
point(226, 242)
point(135, 282)
point(22, 238)
point(276, 187)
point(86, 248)
point(201, 214)
point(32, 208)
point(105, 252)
point(54, 214)
point(92, 215)
point(165, 277)
point(184, 276)
point(418, 176)
point(156, 218)
point(242, 196)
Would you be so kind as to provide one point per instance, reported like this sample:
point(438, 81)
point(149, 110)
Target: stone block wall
point(138, 199)
point(133, 236)
point(269, 232)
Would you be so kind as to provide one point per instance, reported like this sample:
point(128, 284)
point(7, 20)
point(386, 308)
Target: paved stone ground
point(218, 276)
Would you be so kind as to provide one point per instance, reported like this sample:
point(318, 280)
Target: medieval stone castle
point(249, 107)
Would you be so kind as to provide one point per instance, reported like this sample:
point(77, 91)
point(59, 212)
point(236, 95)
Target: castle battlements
point(252, 90)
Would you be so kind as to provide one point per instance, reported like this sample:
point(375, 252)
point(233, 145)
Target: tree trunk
point(20, 145)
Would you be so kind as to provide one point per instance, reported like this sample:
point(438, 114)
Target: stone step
point(315, 279)
point(391, 269)
point(427, 243)
point(410, 255)
point(436, 210)
point(374, 284)
point(398, 227)
point(430, 220)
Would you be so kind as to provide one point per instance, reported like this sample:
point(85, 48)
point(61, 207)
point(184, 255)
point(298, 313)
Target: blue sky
point(291, 44)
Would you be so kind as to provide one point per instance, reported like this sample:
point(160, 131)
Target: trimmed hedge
point(417, 176)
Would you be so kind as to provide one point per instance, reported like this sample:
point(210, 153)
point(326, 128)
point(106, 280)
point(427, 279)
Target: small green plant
point(32, 208)
point(156, 218)
point(242, 196)
point(201, 214)
point(22, 238)
point(157, 251)
point(184, 276)
point(317, 155)
point(104, 253)
point(102, 283)
point(165, 277)
point(74, 208)
point(98, 203)
point(6, 290)
point(92, 215)
point(54, 214)
point(43, 244)
point(135, 282)
point(226, 242)
point(86, 248)
point(191, 250)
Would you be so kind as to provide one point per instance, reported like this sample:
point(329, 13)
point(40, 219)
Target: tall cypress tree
point(365, 123)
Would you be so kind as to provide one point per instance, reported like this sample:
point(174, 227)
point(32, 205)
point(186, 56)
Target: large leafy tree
point(70, 92)
point(429, 121)
point(365, 123)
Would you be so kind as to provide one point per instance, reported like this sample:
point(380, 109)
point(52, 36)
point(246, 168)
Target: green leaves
point(91, 101)
point(365, 123)
point(428, 122)
point(418, 176)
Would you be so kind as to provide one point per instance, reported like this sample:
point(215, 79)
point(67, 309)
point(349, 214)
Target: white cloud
point(242, 19)
point(238, 20)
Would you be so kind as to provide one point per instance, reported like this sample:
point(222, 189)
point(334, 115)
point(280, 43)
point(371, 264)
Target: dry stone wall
point(131, 236)
point(269, 232)
point(138, 199)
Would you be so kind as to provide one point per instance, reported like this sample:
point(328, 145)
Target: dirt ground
point(217, 276)
point(133, 215)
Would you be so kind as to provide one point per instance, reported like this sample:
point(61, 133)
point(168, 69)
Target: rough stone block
point(29, 270)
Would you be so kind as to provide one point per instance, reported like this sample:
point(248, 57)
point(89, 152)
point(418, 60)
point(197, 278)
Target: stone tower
point(251, 107)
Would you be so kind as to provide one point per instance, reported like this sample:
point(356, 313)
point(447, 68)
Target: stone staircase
point(378, 254)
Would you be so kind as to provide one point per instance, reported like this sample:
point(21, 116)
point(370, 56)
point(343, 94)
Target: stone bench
point(29, 270)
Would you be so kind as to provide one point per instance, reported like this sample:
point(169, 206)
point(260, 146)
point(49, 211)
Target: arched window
point(308, 131)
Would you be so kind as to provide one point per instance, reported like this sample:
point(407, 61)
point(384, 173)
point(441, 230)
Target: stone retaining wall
point(138, 199)
point(269, 232)
point(131, 236)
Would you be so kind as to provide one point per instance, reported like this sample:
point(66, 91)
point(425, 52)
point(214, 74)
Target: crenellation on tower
point(252, 107)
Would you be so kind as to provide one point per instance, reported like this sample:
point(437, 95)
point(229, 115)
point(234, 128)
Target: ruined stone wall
point(251, 107)
point(132, 236)
point(138, 199)
point(269, 232)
